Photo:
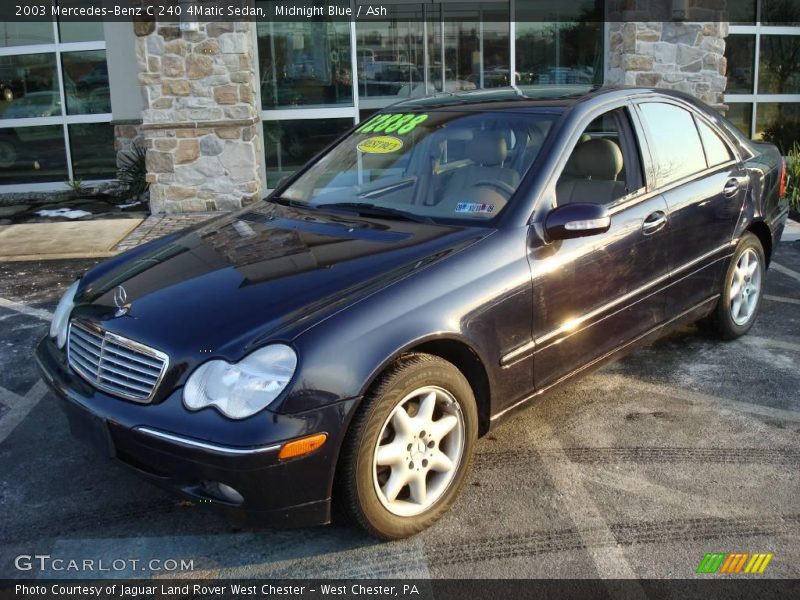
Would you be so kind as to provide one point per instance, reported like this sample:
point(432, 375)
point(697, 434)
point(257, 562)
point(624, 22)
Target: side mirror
point(576, 220)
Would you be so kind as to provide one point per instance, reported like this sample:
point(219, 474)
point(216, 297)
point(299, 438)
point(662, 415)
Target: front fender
point(480, 298)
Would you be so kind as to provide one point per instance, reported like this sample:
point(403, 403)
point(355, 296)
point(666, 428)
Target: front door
point(595, 294)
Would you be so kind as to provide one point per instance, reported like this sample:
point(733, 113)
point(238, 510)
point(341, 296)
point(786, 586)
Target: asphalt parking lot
point(685, 447)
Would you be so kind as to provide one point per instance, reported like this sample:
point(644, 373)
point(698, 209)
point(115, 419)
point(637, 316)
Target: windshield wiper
point(366, 209)
point(382, 190)
point(288, 202)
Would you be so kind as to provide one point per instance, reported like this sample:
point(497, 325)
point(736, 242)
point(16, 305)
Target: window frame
point(697, 122)
point(547, 199)
point(652, 186)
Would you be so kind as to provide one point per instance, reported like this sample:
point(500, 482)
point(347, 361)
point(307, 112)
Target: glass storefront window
point(434, 47)
point(560, 53)
point(391, 56)
point(742, 12)
point(50, 97)
point(740, 52)
point(467, 28)
point(290, 144)
point(25, 34)
point(305, 64)
point(32, 155)
point(741, 115)
point(29, 86)
point(76, 31)
point(92, 149)
point(778, 123)
point(86, 82)
point(780, 12)
point(778, 70)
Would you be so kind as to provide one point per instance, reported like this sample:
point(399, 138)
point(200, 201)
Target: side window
point(717, 151)
point(604, 165)
point(674, 142)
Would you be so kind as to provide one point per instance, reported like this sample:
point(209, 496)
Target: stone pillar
point(688, 57)
point(126, 135)
point(200, 118)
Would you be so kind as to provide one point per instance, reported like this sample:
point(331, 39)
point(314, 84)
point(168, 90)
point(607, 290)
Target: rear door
point(704, 184)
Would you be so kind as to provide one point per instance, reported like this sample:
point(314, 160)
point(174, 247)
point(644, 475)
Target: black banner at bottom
point(409, 589)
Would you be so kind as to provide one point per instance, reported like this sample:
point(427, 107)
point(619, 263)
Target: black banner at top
point(772, 12)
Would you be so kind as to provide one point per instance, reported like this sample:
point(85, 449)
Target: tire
point(391, 417)
point(735, 312)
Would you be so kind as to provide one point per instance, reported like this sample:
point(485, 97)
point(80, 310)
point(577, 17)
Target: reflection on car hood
point(269, 272)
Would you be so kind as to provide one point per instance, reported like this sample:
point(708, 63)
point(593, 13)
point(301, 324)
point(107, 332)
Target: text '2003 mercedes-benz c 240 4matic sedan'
point(346, 341)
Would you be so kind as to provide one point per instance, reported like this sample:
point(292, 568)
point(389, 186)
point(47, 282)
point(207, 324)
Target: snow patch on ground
point(64, 212)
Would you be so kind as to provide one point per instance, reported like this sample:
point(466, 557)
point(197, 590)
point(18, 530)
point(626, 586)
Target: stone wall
point(688, 57)
point(126, 134)
point(201, 118)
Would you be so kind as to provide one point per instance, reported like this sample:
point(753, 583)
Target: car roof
point(547, 97)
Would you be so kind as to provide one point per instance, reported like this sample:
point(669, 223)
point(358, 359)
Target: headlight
point(241, 390)
point(58, 326)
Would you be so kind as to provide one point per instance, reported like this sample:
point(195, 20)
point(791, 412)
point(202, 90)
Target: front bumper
point(191, 453)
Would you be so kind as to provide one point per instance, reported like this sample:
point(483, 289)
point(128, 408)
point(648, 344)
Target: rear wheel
point(740, 298)
point(409, 448)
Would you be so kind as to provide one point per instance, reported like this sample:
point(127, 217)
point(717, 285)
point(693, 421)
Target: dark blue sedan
point(445, 263)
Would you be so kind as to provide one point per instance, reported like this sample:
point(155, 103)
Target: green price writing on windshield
point(398, 123)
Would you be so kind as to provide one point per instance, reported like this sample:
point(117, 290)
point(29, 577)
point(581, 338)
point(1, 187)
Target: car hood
point(267, 273)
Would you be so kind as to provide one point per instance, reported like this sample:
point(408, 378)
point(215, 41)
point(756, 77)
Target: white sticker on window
point(474, 207)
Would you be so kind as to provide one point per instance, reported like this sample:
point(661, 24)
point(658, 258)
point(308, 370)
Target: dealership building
point(228, 109)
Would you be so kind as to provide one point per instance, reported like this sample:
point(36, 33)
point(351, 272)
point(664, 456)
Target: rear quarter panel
point(762, 202)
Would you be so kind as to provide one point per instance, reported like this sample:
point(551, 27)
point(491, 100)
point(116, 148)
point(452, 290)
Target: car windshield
point(428, 166)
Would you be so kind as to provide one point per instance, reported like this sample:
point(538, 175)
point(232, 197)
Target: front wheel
point(409, 448)
point(741, 290)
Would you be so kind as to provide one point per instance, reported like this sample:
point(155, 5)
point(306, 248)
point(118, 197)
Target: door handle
point(731, 188)
point(654, 222)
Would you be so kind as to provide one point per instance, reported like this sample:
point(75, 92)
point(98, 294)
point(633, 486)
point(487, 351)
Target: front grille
point(115, 364)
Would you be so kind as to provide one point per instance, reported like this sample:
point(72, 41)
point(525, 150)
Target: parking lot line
point(781, 299)
point(785, 270)
point(761, 341)
point(615, 379)
point(661, 494)
point(19, 407)
point(24, 309)
point(577, 503)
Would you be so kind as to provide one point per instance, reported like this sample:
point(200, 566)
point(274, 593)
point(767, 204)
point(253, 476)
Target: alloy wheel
point(418, 452)
point(745, 287)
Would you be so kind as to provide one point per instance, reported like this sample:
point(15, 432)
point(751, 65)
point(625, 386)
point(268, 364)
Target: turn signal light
point(302, 446)
point(782, 185)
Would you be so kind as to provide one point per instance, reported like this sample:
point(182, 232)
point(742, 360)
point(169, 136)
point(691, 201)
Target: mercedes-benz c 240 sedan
point(346, 341)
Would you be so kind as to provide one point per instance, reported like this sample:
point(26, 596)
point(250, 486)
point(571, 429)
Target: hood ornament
point(121, 302)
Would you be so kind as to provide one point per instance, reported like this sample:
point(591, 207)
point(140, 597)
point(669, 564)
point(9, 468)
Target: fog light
point(223, 492)
point(302, 446)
